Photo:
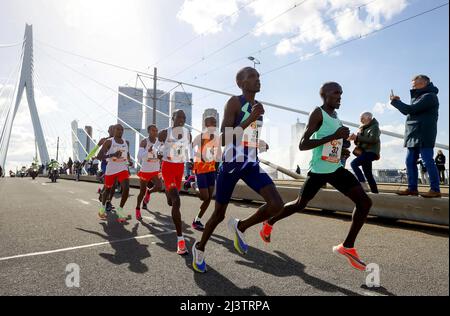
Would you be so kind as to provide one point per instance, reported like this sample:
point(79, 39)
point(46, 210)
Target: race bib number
point(123, 158)
point(250, 136)
point(332, 151)
point(151, 157)
point(177, 152)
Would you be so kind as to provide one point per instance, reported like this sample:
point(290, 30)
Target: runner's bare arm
point(314, 124)
point(232, 109)
point(106, 146)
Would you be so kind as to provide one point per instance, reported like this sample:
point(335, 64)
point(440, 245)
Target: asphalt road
point(45, 227)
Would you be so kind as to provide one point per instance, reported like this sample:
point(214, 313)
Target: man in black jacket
point(421, 131)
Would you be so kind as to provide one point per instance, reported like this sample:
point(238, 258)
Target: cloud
point(205, 16)
point(380, 108)
point(321, 23)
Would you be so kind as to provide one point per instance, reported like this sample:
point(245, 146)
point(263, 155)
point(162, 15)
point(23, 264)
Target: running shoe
point(102, 214)
point(181, 248)
point(138, 215)
point(239, 239)
point(352, 256)
point(266, 232)
point(122, 218)
point(198, 260)
point(198, 226)
point(109, 207)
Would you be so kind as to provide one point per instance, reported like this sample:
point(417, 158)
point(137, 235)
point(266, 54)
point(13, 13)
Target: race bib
point(332, 151)
point(122, 158)
point(151, 157)
point(250, 136)
point(177, 152)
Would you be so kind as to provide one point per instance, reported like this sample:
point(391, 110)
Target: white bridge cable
point(11, 45)
point(215, 52)
point(14, 73)
point(112, 89)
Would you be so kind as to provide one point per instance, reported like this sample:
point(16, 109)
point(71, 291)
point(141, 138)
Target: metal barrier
point(386, 205)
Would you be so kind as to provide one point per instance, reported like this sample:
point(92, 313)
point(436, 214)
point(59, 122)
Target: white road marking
point(35, 254)
point(44, 184)
point(71, 192)
point(83, 202)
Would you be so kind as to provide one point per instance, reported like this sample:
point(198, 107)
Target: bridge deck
point(60, 219)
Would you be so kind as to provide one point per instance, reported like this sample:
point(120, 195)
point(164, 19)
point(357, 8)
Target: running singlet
point(176, 150)
point(150, 161)
point(205, 161)
point(247, 149)
point(117, 165)
point(327, 158)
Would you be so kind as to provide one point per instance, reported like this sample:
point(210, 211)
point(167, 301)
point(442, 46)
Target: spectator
point(440, 163)
point(423, 172)
point(421, 131)
point(70, 166)
point(367, 151)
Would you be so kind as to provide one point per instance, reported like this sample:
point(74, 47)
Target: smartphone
point(392, 93)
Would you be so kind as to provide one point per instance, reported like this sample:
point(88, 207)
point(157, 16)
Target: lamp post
point(255, 61)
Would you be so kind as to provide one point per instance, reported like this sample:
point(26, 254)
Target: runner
point(176, 147)
point(325, 135)
point(241, 126)
point(207, 149)
point(117, 153)
point(151, 166)
point(104, 163)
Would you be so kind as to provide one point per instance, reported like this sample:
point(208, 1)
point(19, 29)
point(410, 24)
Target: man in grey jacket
point(421, 131)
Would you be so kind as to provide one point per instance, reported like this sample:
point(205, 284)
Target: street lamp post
point(255, 61)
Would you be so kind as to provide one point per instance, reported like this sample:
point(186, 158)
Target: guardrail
point(385, 205)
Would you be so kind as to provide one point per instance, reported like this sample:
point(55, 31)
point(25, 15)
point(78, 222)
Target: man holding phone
point(421, 131)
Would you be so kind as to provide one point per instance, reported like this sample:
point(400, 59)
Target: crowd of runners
point(222, 157)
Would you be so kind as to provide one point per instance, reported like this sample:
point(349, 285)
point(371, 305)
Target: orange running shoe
point(182, 250)
point(352, 256)
point(265, 232)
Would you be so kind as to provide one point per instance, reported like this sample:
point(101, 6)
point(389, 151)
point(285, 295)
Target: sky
point(206, 42)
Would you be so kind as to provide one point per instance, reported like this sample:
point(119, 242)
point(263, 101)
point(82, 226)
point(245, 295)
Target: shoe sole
point(264, 238)
point(194, 264)
point(350, 260)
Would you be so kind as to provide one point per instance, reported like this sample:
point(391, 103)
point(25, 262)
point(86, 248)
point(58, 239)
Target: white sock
point(180, 238)
point(198, 219)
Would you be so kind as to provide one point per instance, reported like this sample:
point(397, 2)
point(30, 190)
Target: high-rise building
point(162, 105)
point(297, 131)
point(129, 110)
point(209, 113)
point(132, 113)
point(81, 143)
point(182, 101)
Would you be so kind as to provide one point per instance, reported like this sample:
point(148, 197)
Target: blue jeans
point(365, 160)
point(413, 172)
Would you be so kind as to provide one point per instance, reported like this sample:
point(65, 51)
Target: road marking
point(97, 201)
point(44, 184)
point(83, 202)
point(35, 254)
point(71, 192)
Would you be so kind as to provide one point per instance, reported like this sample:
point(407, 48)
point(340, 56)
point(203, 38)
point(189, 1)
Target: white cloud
point(381, 108)
point(394, 128)
point(205, 15)
point(322, 23)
